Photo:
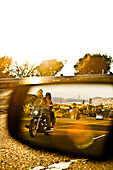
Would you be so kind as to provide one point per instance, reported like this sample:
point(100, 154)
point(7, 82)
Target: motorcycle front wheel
point(32, 128)
point(46, 133)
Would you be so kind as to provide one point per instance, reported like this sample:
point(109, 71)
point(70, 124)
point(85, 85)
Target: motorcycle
point(40, 122)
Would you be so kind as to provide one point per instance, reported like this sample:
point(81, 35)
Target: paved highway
point(71, 135)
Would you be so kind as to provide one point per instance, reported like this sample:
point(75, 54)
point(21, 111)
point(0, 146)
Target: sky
point(73, 91)
point(37, 30)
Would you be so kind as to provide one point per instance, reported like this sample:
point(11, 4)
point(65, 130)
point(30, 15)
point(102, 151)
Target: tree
point(25, 70)
point(93, 64)
point(50, 67)
point(5, 63)
point(46, 68)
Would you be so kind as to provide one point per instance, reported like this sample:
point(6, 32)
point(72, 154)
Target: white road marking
point(98, 137)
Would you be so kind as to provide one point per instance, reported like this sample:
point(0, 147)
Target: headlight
point(36, 112)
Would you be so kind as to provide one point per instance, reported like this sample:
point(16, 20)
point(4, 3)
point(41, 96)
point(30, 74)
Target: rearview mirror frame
point(20, 91)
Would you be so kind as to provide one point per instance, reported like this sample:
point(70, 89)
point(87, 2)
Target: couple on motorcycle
point(47, 105)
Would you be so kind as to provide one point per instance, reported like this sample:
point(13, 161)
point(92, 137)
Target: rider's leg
point(48, 121)
point(52, 118)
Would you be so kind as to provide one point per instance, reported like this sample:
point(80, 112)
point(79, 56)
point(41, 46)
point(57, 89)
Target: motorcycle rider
point(43, 105)
point(39, 96)
point(38, 99)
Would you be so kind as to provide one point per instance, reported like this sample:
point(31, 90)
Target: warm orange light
point(80, 136)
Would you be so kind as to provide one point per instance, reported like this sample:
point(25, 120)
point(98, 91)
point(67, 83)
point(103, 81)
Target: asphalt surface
point(71, 135)
point(15, 155)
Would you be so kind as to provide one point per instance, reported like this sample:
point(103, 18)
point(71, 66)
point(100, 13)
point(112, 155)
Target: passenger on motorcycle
point(50, 107)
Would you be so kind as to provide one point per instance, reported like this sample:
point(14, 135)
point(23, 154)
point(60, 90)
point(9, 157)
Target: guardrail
point(10, 82)
point(93, 78)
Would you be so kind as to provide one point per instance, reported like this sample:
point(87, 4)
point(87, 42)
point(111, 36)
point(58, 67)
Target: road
point(71, 135)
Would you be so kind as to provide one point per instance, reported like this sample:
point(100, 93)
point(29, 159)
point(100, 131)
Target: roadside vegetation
point(72, 110)
point(89, 64)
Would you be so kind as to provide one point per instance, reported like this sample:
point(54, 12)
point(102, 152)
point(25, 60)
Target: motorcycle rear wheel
point(32, 128)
